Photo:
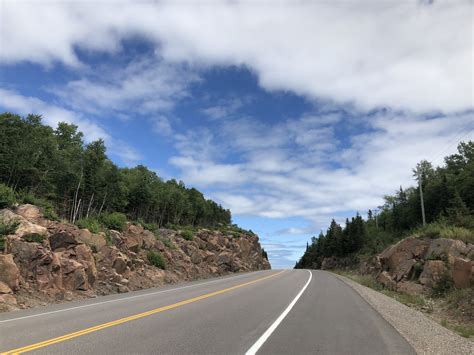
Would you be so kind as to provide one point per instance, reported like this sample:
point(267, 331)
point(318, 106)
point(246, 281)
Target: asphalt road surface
point(265, 312)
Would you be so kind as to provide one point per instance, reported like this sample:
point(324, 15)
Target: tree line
point(448, 195)
point(80, 181)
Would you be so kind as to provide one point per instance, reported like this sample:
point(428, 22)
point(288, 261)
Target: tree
point(81, 181)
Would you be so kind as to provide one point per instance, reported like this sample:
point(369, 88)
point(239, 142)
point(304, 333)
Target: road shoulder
point(425, 335)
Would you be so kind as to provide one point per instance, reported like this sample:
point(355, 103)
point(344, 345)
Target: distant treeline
point(78, 179)
point(448, 193)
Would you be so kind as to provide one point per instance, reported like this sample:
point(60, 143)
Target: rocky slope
point(417, 265)
point(48, 261)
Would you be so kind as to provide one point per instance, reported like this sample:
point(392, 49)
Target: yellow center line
point(96, 328)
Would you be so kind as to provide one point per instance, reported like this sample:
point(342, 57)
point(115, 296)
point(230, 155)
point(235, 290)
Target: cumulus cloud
point(408, 54)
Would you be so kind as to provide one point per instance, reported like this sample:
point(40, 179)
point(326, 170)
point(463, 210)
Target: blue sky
point(288, 114)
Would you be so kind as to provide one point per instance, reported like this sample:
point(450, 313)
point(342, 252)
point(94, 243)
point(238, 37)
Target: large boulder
point(74, 274)
point(386, 280)
point(462, 272)
point(5, 289)
point(30, 212)
point(447, 249)
point(433, 271)
point(224, 258)
point(85, 257)
point(410, 288)
point(9, 272)
point(136, 237)
point(7, 303)
point(25, 227)
point(96, 241)
point(120, 264)
point(63, 240)
point(399, 259)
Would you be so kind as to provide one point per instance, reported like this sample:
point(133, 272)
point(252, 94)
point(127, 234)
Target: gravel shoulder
point(425, 335)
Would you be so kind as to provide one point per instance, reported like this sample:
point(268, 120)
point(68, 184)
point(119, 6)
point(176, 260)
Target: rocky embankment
point(47, 261)
point(417, 265)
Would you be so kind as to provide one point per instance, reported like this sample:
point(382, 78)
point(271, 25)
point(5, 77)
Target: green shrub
point(34, 238)
point(467, 331)
point(92, 224)
point(441, 230)
point(171, 226)
point(443, 286)
point(47, 208)
point(108, 238)
point(455, 298)
point(6, 228)
point(414, 300)
point(7, 196)
point(156, 259)
point(417, 270)
point(114, 220)
point(187, 234)
point(49, 212)
point(168, 243)
point(152, 227)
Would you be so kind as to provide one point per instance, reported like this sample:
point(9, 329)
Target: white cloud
point(52, 115)
point(225, 108)
point(162, 126)
point(408, 54)
point(142, 86)
point(274, 182)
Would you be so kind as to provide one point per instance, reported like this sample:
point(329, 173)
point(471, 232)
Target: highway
point(264, 312)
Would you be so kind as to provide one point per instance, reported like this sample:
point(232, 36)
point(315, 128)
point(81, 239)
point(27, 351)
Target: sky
point(290, 113)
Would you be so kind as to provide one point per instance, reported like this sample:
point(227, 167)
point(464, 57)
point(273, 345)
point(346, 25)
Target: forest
point(448, 195)
point(55, 169)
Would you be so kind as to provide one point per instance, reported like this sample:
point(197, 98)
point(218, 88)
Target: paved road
point(268, 312)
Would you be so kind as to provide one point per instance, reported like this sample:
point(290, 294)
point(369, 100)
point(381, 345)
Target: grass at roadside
point(369, 281)
point(448, 310)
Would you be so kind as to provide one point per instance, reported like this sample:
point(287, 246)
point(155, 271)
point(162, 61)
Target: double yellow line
point(79, 333)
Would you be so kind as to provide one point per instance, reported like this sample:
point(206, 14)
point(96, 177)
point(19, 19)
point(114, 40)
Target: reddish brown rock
point(5, 289)
point(85, 257)
point(447, 249)
point(462, 272)
point(433, 271)
point(63, 240)
point(71, 263)
point(399, 259)
point(9, 272)
point(30, 212)
point(410, 288)
point(386, 280)
point(7, 303)
point(120, 265)
point(96, 241)
point(24, 226)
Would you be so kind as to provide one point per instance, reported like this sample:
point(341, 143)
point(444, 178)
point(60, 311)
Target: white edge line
point(127, 298)
point(255, 347)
